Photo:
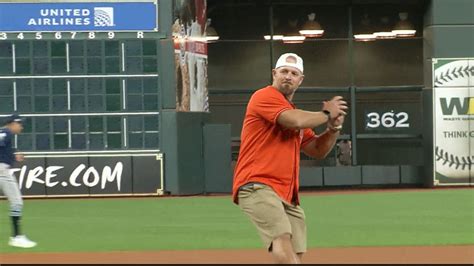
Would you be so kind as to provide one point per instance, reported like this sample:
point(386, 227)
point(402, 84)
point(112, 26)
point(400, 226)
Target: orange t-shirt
point(270, 153)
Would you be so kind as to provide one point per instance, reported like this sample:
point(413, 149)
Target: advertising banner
point(90, 175)
point(107, 16)
point(190, 46)
point(453, 90)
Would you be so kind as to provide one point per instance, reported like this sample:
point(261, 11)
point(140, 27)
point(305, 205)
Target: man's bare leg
point(282, 250)
point(300, 256)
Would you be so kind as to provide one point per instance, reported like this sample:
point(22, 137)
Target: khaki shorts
point(272, 216)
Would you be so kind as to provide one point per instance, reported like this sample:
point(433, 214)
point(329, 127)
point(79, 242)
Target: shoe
point(21, 241)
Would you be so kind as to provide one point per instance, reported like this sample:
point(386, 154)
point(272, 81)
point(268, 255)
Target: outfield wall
point(93, 103)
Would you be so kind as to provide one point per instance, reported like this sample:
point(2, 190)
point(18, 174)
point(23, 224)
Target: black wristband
point(326, 112)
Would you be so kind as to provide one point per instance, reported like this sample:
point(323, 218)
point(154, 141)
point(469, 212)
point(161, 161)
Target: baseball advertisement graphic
point(190, 55)
point(454, 121)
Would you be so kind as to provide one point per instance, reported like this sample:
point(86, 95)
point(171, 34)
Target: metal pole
point(352, 89)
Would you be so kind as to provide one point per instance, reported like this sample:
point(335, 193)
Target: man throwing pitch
point(266, 175)
point(8, 183)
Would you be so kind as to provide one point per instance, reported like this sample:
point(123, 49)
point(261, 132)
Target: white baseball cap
point(289, 59)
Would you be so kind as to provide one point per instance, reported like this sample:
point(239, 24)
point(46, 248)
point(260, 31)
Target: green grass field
point(430, 217)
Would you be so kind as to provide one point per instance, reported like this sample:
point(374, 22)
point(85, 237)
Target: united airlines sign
point(107, 16)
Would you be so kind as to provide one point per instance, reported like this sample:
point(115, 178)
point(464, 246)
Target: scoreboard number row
point(64, 35)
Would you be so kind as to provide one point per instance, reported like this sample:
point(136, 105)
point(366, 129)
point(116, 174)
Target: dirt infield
point(399, 255)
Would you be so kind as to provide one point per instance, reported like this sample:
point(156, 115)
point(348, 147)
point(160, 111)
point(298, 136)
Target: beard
point(287, 89)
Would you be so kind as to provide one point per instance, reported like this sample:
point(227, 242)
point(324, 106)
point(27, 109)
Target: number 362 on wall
point(387, 120)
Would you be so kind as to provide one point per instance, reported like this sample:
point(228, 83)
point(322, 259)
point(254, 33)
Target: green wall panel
point(182, 144)
point(217, 158)
point(311, 176)
point(450, 12)
point(380, 174)
point(342, 176)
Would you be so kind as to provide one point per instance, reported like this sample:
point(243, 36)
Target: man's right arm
point(300, 119)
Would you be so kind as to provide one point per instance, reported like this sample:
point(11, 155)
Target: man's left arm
point(320, 147)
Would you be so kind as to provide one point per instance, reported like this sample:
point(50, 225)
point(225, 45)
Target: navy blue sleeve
point(4, 138)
